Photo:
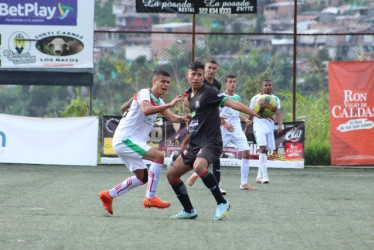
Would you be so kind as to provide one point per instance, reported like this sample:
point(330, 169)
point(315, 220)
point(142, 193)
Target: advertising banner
point(57, 141)
point(48, 34)
point(197, 6)
point(351, 87)
point(167, 138)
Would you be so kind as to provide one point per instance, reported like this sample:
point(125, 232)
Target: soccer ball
point(265, 105)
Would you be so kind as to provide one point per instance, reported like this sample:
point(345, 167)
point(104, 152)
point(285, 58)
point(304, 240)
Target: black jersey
point(204, 126)
point(216, 84)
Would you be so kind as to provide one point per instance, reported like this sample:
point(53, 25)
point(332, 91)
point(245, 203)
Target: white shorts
point(132, 153)
point(265, 139)
point(238, 138)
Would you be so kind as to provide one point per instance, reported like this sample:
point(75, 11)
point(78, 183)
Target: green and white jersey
point(263, 125)
point(232, 115)
point(134, 124)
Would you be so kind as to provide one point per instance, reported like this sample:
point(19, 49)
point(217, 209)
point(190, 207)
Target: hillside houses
point(318, 22)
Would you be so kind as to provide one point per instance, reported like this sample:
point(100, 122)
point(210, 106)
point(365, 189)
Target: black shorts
point(209, 153)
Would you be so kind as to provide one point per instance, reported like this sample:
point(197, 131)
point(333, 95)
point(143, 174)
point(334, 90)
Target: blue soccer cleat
point(185, 215)
point(221, 210)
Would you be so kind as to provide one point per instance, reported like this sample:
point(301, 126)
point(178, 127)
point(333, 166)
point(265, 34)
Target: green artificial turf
point(57, 207)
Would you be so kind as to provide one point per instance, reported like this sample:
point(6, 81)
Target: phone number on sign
point(214, 10)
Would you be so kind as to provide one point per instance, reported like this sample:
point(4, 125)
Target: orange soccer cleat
point(107, 200)
point(155, 202)
point(247, 187)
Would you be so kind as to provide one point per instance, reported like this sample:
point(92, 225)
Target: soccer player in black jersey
point(210, 71)
point(205, 144)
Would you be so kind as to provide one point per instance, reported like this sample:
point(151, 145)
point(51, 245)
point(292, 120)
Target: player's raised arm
point(240, 107)
point(149, 109)
point(175, 118)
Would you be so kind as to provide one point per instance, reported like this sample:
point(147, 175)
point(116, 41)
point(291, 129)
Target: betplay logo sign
point(41, 12)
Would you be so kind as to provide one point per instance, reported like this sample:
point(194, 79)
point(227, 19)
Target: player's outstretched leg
point(107, 196)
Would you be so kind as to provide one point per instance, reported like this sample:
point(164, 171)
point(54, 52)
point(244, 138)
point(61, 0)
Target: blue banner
point(39, 12)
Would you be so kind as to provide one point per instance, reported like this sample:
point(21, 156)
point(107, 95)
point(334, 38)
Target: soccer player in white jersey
point(130, 142)
point(231, 130)
point(263, 130)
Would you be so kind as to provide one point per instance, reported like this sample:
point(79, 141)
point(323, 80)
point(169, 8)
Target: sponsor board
point(206, 7)
point(167, 138)
point(48, 34)
point(351, 112)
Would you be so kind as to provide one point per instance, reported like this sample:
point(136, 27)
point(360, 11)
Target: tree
point(104, 15)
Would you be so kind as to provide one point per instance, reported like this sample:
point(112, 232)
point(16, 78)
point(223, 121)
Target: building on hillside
point(174, 40)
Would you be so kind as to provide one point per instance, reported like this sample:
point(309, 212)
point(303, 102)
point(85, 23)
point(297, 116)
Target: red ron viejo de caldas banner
point(351, 87)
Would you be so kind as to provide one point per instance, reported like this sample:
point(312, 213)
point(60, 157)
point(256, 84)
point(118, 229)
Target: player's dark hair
point(160, 72)
point(229, 77)
point(212, 61)
point(195, 66)
point(266, 80)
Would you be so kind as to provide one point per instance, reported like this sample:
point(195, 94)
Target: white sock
point(244, 170)
point(125, 186)
point(153, 175)
point(263, 165)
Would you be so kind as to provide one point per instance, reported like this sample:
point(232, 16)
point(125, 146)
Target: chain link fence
point(290, 42)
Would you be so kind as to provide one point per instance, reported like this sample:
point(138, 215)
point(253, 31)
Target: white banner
point(57, 141)
point(46, 34)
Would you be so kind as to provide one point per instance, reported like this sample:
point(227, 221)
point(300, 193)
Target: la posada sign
point(197, 6)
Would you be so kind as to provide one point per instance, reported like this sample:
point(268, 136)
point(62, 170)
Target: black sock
point(181, 192)
point(211, 183)
point(217, 170)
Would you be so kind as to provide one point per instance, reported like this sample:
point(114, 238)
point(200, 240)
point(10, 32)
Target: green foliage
point(317, 154)
point(105, 67)
point(323, 54)
point(9, 96)
point(36, 101)
point(104, 16)
point(79, 107)
point(237, 27)
point(315, 78)
point(314, 111)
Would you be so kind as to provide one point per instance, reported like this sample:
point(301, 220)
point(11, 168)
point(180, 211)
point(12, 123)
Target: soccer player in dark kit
point(205, 144)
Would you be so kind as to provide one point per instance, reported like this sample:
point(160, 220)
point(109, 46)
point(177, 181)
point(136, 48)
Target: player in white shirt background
point(231, 130)
point(263, 130)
